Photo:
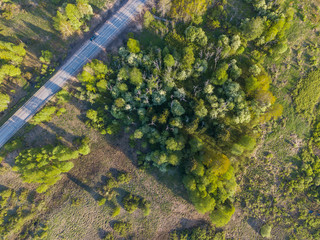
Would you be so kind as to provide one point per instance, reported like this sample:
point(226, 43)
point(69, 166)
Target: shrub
point(109, 236)
point(130, 203)
point(306, 97)
point(123, 177)
point(145, 207)
point(45, 115)
point(122, 228)
point(222, 215)
point(266, 231)
point(116, 211)
point(102, 201)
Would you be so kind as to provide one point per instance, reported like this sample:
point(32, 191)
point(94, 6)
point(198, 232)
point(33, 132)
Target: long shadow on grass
point(96, 196)
point(255, 224)
point(68, 137)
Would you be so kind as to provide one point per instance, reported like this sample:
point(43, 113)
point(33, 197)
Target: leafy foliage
point(306, 97)
point(73, 17)
point(122, 228)
point(45, 165)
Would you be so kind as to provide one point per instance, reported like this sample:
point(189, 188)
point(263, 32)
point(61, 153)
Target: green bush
point(133, 45)
point(130, 203)
point(102, 201)
point(45, 115)
point(116, 211)
point(306, 98)
point(122, 228)
point(266, 231)
point(222, 215)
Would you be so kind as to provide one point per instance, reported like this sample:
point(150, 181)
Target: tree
point(176, 108)
point(44, 165)
point(136, 77)
point(133, 45)
point(116, 211)
point(201, 110)
point(221, 74)
point(188, 9)
point(84, 8)
point(61, 24)
point(44, 115)
point(9, 70)
point(266, 231)
point(175, 144)
point(98, 3)
point(122, 228)
point(253, 28)
point(137, 134)
point(255, 70)
point(196, 35)
point(148, 19)
point(222, 215)
point(46, 56)
point(169, 60)
point(247, 142)
point(188, 58)
point(74, 16)
point(4, 101)
point(130, 203)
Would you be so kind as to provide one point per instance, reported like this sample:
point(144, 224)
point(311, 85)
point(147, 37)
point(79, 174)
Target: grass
point(284, 139)
point(88, 220)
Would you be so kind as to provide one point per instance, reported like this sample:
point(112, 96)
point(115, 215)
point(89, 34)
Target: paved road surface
point(89, 50)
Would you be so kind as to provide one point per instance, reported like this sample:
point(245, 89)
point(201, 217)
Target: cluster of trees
point(108, 189)
point(73, 18)
point(132, 202)
point(8, 9)
point(11, 57)
point(305, 96)
point(203, 232)
point(45, 165)
point(185, 10)
point(122, 228)
point(307, 177)
point(15, 207)
point(193, 103)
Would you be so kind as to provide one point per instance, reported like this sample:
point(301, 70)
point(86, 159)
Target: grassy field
point(87, 220)
point(71, 207)
point(281, 142)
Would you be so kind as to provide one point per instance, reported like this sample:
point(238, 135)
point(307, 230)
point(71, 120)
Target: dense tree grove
point(15, 206)
point(45, 165)
point(193, 105)
point(11, 56)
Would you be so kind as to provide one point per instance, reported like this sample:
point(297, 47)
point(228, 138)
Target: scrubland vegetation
point(219, 104)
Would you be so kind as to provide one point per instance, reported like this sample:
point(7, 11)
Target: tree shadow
point(255, 224)
point(67, 136)
point(102, 233)
point(3, 187)
point(186, 223)
point(95, 195)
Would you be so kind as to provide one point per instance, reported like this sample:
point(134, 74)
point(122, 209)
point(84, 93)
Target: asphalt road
point(89, 50)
